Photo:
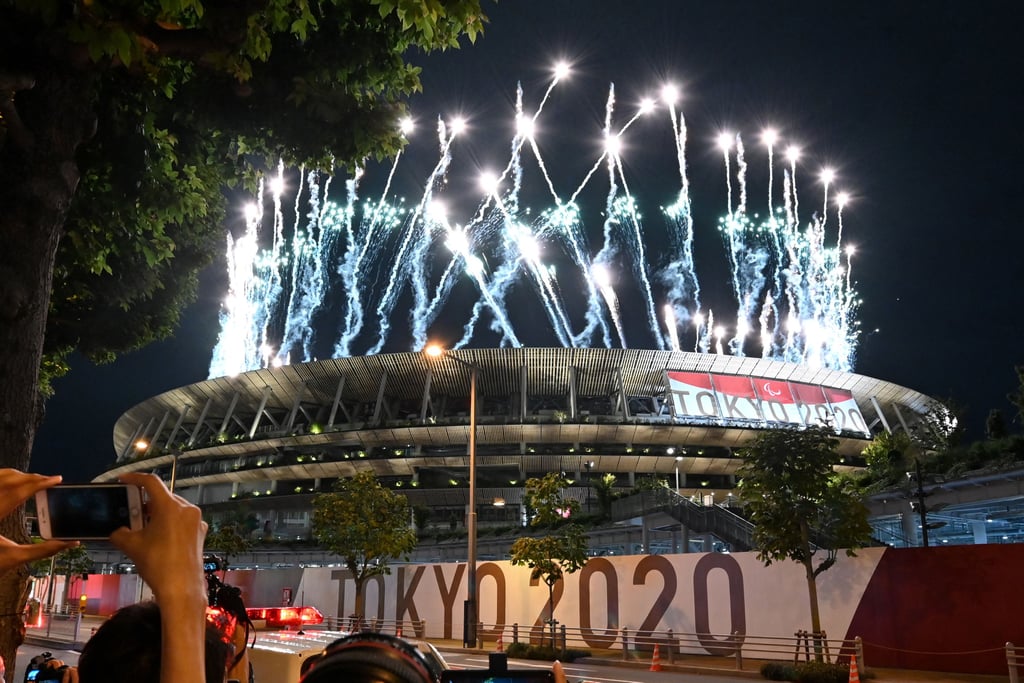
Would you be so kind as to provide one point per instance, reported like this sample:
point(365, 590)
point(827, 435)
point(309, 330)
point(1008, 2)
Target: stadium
point(265, 442)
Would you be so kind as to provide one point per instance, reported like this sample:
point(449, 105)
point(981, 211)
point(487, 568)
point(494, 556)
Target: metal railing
point(1014, 660)
point(634, 644)
point(406, 628)
point(714, 519)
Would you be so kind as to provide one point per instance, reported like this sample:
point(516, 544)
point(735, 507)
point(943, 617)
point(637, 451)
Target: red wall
point(943, 609)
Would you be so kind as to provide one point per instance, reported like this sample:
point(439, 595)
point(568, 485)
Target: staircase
point(713, 519)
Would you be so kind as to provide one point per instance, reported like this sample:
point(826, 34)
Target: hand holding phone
point(15, 488)
point(88, 511)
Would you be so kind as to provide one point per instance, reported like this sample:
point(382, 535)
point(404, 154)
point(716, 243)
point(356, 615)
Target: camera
point(380, 658)
point(226, 611)
point(38, 669)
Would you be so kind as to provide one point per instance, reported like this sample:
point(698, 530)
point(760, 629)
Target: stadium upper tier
point(539, 409)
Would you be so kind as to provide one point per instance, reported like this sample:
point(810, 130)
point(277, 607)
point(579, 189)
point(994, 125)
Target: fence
point(633, 644)
point(803, 645)
point(400, 627)
point(1014, 660)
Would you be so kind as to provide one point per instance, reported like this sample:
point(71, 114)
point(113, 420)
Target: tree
point(604, 491)
point(121, 123)
point(68, 563)
point(366, 525)
point(888, 455)
point(995, 425)
point(940, 428)
point(799, 506)
point(232, 536)
point(1016, 398)
point(562, 552)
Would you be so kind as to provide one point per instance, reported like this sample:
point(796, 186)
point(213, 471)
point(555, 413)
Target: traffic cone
point(501, 646)
point(854, 674)
point(656, 659)
point(398, 632)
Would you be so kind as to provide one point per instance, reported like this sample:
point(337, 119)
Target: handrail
point(715, 519)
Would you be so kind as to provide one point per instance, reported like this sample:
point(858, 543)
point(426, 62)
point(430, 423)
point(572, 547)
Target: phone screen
point(87, 511)
point(486, 676)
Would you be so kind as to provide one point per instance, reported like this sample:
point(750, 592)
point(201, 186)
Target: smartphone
point(88, 511)
point(488, 676)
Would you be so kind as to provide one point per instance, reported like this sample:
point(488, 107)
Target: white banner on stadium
point(764, 400)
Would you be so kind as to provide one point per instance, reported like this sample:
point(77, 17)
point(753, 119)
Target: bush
point(778, 671)
point(544, 652)
point(822, 672)
point(809, 672)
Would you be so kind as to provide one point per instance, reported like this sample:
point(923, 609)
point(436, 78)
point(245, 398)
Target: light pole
point(470, 610)
point(589, 465)
point(174, 470)
point(679, 459)
point(142, 446)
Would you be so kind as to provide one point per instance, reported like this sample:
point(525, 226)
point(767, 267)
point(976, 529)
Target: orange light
point(224, 621)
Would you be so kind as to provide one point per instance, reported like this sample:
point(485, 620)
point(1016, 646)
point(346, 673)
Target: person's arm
point(168, 553)
point(15, 488)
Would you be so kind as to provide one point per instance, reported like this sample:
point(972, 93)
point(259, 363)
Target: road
point(575, 672)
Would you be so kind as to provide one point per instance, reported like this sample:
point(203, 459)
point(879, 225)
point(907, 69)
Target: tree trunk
point(38, 178)
point(360, 582)
point(551, 611)
point(812, 591)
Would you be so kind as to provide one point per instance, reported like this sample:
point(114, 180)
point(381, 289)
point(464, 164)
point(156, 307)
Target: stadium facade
point(267, 441)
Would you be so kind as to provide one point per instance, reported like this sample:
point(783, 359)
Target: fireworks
point(354, 272)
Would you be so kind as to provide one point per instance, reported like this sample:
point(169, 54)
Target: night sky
point(919, 107)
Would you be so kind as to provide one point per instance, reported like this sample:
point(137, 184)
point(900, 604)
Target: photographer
point(168, 552)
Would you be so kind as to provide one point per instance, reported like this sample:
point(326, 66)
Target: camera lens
point(369, 658)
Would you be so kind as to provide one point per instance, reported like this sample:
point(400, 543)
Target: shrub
point(778, 671)
point(544, 652)
point(822, 672)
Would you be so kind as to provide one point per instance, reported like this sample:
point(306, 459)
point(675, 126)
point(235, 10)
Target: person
point(168, 554)
point(167, 551)
point(127, 649)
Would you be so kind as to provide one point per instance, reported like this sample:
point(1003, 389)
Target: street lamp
point(470, 610)
point(142, 446)
point(679, 459)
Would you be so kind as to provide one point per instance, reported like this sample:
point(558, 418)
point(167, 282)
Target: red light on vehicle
point(310, 615)
point(283, 617)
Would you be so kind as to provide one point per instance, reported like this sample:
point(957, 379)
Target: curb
point(53, 643)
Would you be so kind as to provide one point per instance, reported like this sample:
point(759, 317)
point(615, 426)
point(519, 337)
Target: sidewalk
point(62, 633)
point(726, 666)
